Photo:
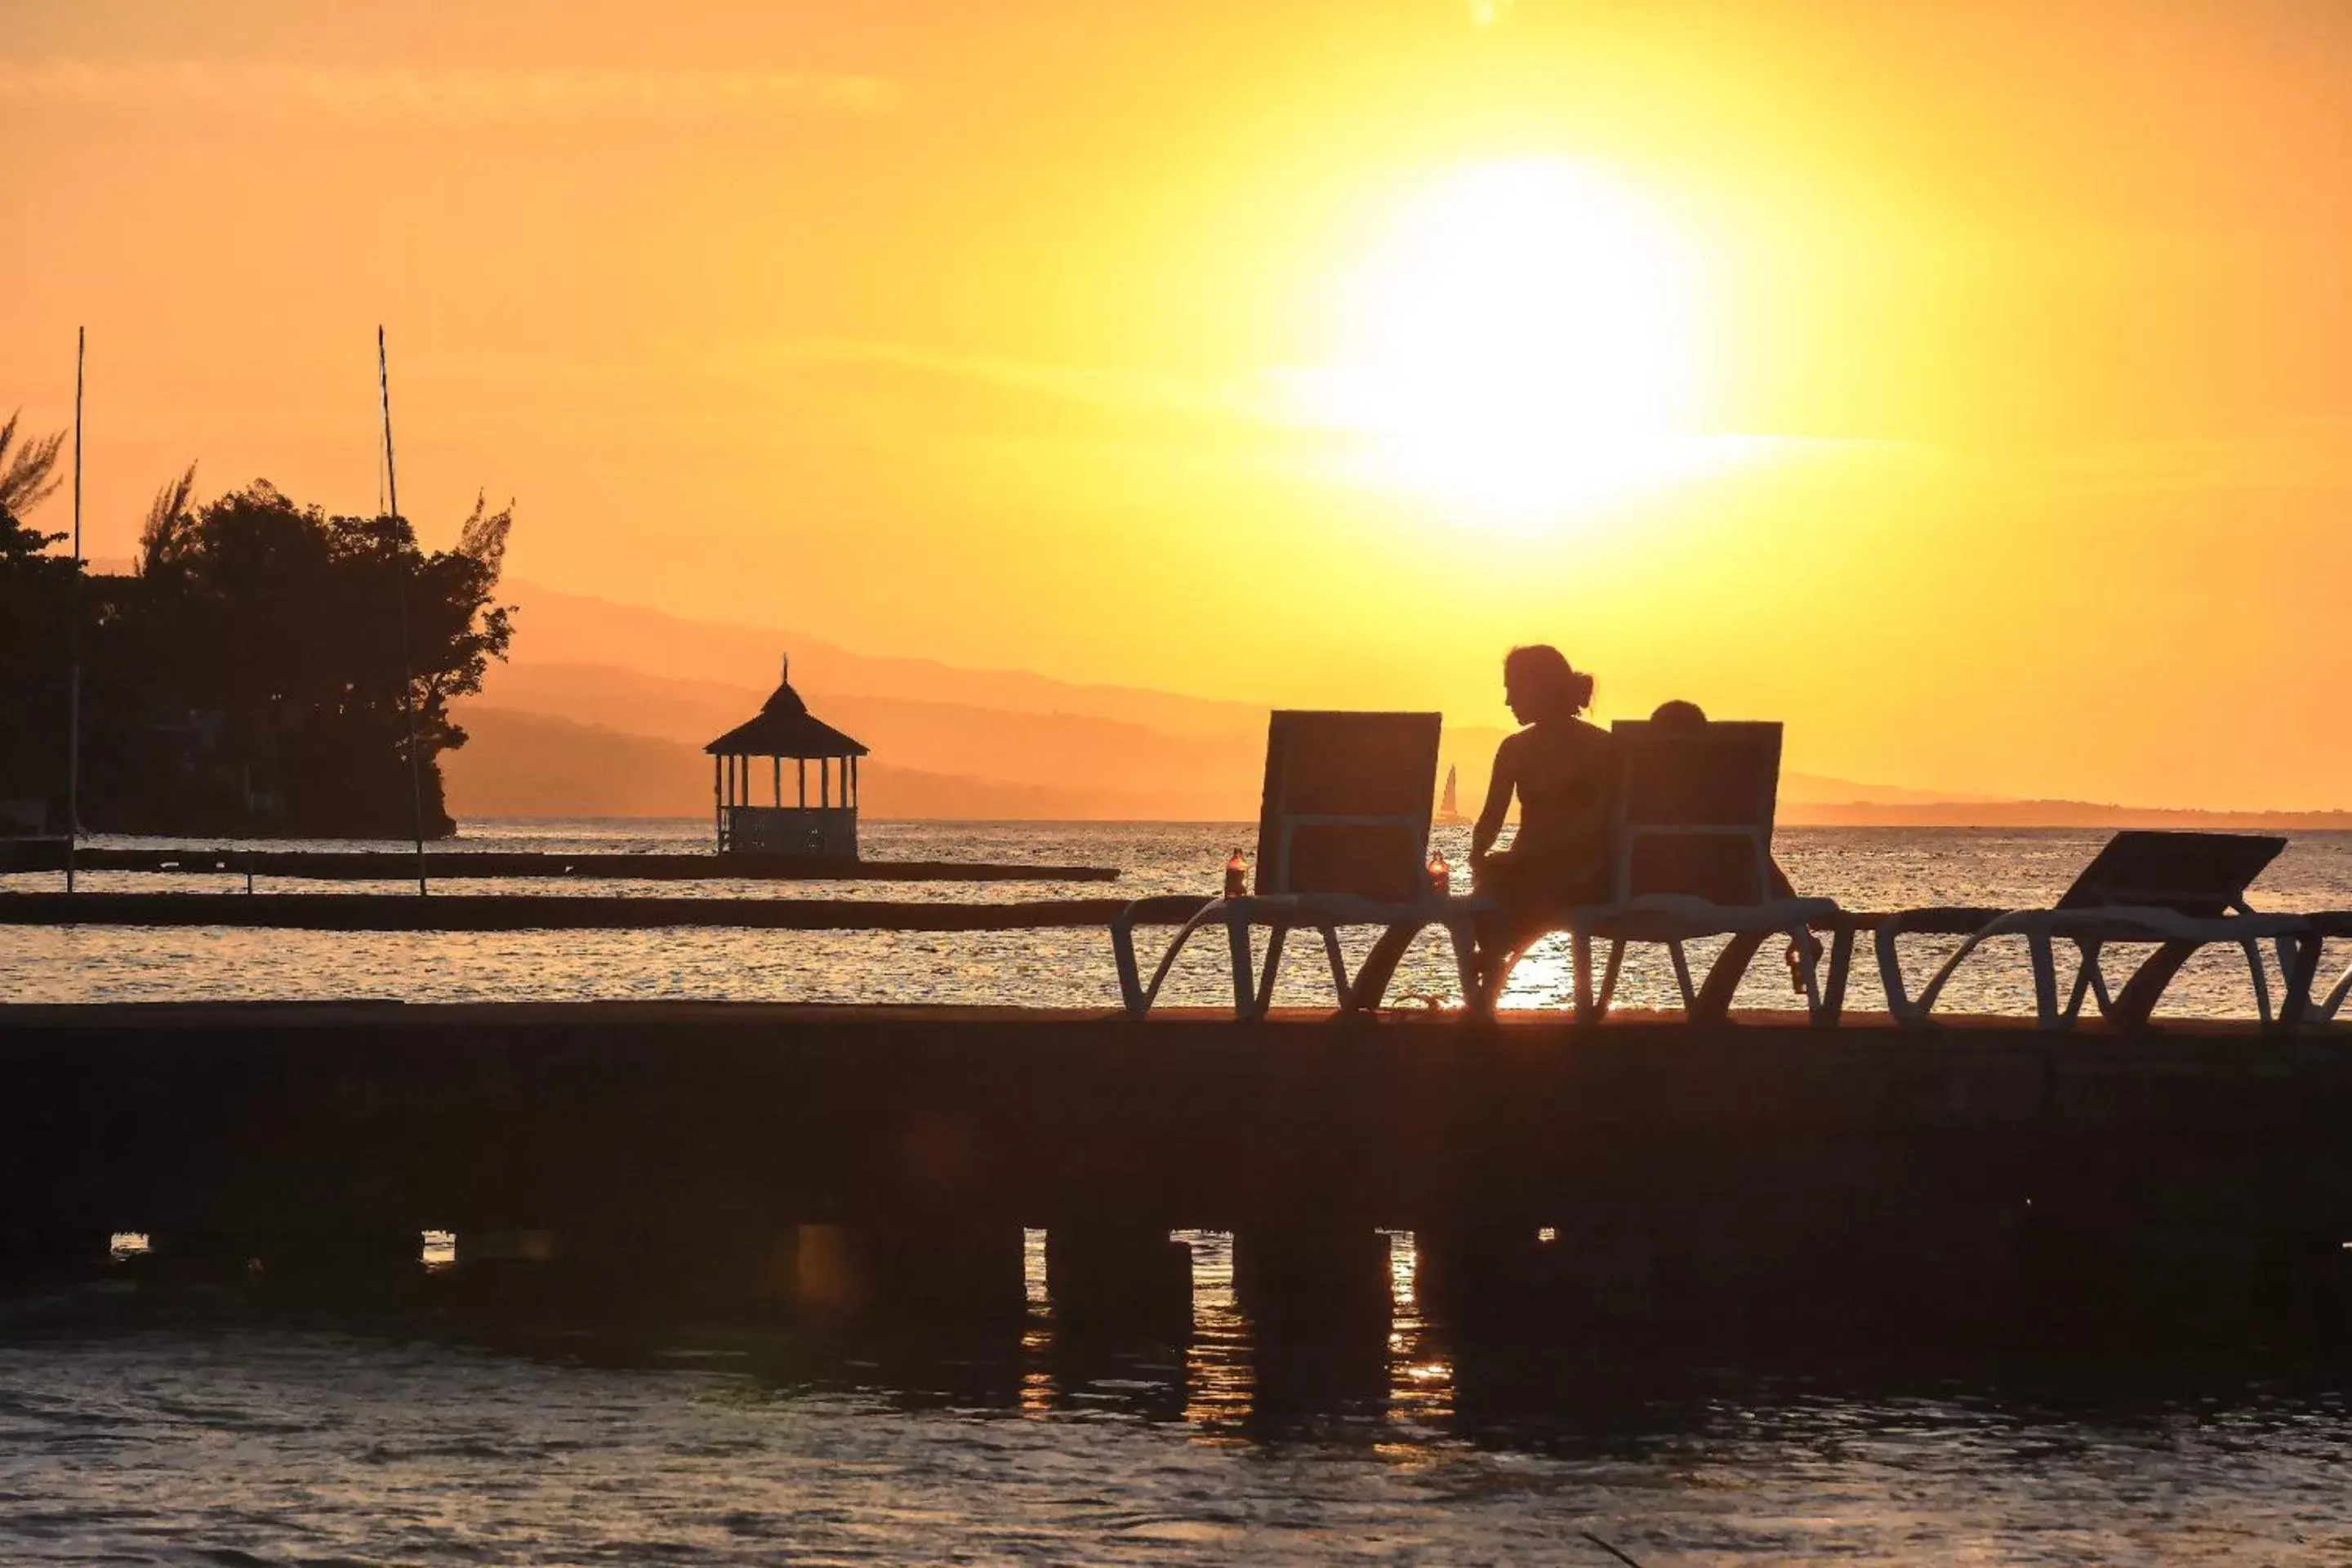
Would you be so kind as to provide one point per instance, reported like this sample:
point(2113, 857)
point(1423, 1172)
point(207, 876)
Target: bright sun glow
point(1525, 337)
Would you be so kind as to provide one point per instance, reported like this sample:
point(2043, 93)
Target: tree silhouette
point(27, 475)
point(246, 678)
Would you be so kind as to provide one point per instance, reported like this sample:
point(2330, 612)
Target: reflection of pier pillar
point(360, 1257)
point(734, 1268)
point(204, 1252)
point(1119, 1279)
point(933, 1273)
point(29, 1253)
point(1313, 1280)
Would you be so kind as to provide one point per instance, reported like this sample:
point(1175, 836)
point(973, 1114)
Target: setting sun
point(1522, 337)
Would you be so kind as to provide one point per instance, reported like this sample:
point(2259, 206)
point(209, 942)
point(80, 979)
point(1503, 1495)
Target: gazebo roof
point(784, 728)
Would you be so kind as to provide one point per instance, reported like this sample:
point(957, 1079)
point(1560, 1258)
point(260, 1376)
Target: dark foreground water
point(142, 1425)
point(194, 1433)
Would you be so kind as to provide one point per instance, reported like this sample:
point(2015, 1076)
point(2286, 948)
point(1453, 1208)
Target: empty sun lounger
point(1693, 849)
point(2179, 891)
point(1342, 839)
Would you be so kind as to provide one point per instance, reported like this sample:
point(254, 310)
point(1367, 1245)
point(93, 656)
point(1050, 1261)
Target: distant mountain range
point(606, 708)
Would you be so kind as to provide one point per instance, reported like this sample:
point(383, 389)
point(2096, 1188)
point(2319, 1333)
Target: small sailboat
point(1449, 806)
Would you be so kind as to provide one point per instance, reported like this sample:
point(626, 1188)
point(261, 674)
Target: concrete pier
point(1758, 1176)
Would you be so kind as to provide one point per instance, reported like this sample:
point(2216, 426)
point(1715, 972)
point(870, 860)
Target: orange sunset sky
point(1969, 385)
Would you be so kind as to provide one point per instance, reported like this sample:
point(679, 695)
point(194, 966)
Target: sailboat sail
point(1447, 805)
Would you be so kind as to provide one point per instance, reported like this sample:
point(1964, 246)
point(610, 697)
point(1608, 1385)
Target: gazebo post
point(778, 764)
point(718, 803)
point(799, 766)
point(824, 782)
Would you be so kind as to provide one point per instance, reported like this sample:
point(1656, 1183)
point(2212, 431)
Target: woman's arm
point(1499, 785)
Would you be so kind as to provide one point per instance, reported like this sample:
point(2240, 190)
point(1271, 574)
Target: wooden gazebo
point(786, 730)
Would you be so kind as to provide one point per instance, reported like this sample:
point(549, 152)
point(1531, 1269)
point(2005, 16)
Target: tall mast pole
point(73, 661)
point(407, 681)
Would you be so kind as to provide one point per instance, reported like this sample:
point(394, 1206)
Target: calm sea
point(1865, 868)
point(204, 1430)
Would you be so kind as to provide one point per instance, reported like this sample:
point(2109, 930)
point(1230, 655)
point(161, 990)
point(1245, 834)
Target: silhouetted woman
point(1562, 770)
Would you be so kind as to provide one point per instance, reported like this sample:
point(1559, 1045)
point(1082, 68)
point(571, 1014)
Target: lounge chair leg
point(1925, 1003)
point(1176, 946)
point(1580, 948)
point(1338, 968)
point(1491, 980)
point(1840, 967)
point(1899, 1005)
point(2045, 979)
point(2094, 971)
point(2298, 969)
point(1122, 955)
point(1237, 943)
point(2262, 981)
point(1262, 1002)
point(2325, 1012)
point(2136, 1003)
point(1371, 985)
point(1609, 975)
point(1712, 1002)
point(2086, 970)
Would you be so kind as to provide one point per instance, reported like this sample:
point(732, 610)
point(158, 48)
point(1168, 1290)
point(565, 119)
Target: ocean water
point(205, 1427)
point(213, 1434)
point(1862, 869)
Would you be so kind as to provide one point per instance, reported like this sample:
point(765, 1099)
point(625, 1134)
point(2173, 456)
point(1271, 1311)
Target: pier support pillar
point(355, 1253)
point(930, 1273)
point(726, 1265)
point(1488, 1278)
point(1120, 1279)
point(212, 1254)
point(30, 1253)
point(1313, 1280)
point(506, 1270)
point(361, 1257)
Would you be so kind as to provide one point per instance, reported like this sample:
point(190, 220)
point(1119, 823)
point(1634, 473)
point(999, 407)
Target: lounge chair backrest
point(1347, 804)
point(1693, 811)
point(2201, 875)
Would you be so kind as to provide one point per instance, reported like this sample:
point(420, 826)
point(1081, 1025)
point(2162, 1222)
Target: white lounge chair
point(2176, 892)
point(1343, 840)
point(1693, 859)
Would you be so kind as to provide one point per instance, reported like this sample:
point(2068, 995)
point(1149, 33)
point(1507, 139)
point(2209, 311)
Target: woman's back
point(1566, 774)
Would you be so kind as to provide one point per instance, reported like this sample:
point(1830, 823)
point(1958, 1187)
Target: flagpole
point(73, 662)
point(407, 681)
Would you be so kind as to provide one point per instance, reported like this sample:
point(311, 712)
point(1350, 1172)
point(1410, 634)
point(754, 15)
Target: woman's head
point(1538, 684)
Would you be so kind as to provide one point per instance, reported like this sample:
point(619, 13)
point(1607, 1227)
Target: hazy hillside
point(606, 706)
point(529, 765)
point(1126, 769)
point(554, 738)
point(566, 628)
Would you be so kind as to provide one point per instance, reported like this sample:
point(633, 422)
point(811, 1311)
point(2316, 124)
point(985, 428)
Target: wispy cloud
point(1108, 387)
point(440, 95)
